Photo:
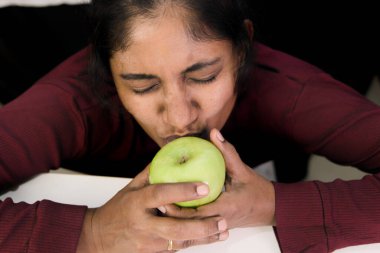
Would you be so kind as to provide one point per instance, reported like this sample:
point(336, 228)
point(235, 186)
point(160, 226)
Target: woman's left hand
point(248, 199)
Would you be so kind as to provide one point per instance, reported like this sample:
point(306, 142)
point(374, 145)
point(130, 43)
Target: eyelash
point(153, 87)
point(204, 81)
point(146, 90)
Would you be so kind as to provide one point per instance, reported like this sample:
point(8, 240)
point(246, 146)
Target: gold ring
point(170, 245)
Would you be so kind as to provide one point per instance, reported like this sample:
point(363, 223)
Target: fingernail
point(223, 236)
point(202, 190)
point(162, 209)
point(219, 136)
point(222, 225)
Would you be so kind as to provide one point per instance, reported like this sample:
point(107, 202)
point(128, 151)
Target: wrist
point(87, 241)
point(268, 203)
point(272, 205)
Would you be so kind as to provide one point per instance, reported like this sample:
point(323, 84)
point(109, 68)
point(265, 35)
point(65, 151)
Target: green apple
point(190, 159)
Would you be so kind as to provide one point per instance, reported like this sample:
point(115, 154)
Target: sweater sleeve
point(41, 227)
point(38, 131)
point(322, 217)
point(332, 120)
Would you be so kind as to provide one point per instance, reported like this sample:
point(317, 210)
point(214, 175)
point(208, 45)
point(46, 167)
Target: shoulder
point(278, 82)
point(71, 79)
point(297, 100)
point(283, 64)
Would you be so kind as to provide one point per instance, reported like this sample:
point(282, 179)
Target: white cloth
point(39, 3)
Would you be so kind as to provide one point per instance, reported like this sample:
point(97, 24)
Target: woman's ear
point(249, 26)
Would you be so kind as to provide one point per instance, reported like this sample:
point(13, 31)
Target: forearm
point(41, 227)
point(323, 217)
point(87, 243)
point(299, 218)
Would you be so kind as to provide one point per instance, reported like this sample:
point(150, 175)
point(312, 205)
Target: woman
point(184, 68)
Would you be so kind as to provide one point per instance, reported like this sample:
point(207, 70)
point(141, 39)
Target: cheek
point(141, 108)
point(218, 104)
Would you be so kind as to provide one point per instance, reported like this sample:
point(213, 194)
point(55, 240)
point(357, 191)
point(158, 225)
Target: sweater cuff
point(57, 227)
point(300, 218)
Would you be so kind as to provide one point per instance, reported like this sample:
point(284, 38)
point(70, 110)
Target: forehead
point(160, 28)
point(166, 38)
point(169, 17)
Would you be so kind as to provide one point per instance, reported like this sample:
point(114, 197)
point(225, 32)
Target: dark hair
point(205, 20)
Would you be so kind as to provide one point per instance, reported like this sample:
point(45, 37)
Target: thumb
point(234, 165)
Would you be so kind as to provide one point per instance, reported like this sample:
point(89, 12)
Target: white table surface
point(94, 191)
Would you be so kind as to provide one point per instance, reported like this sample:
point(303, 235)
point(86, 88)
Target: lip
point(173, 137)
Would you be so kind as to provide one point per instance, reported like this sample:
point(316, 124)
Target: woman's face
point(173, 85)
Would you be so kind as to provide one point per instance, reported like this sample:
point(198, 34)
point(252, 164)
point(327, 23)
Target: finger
point(159, 195)
point(141, 179)
point(234, 164)
point(211, 239)
point(210, 210)
point(180, 212)
point(187, 229)
point(178, 245)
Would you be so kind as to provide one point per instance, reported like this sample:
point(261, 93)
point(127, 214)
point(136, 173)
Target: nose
point(180, 110)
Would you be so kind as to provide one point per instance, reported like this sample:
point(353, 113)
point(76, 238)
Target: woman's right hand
point(131, 222)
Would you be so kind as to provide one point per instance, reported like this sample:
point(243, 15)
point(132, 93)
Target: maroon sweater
point(289, 104)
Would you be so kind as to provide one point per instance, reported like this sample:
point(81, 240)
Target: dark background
point(34, 40)
point(342, 40)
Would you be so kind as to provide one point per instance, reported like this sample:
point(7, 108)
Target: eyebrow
point(138, 76)
point(200, 65)
point(192, 68)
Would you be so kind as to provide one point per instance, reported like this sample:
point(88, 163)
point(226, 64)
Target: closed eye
point(203, 81)
point(141, 91)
